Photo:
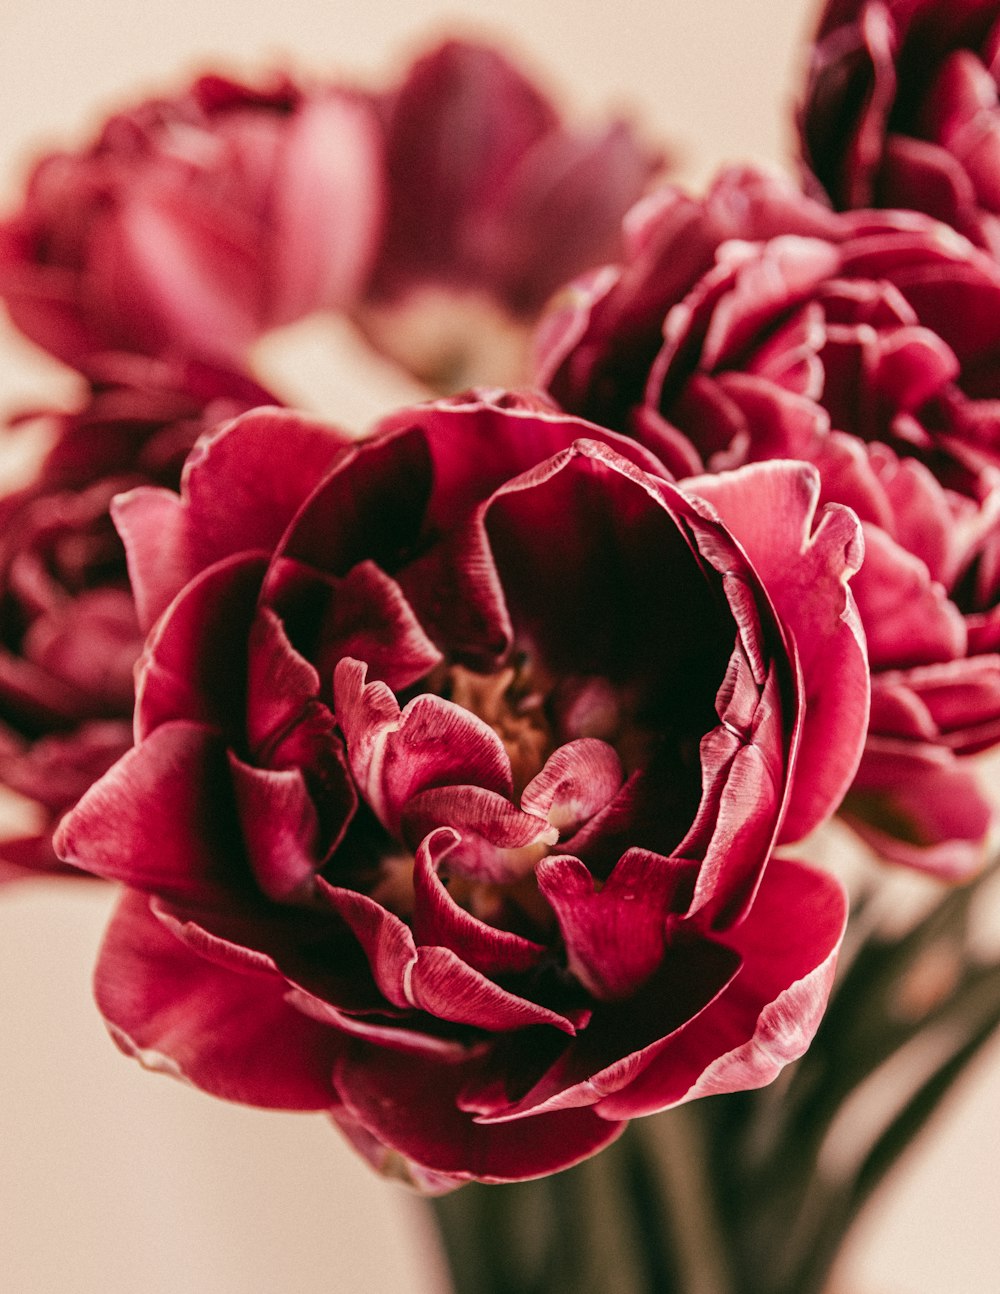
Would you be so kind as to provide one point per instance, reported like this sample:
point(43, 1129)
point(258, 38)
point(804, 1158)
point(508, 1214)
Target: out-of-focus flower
point(901, 109)
point(194, 224)
point(493, 201)
point(756, 324)
point(68, 631)
point(454, 799)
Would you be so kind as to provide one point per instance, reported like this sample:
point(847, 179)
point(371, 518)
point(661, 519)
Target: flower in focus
point(194, 224)
point(457, 786)
point(492, 203)
point(68, 631)
point(901, 110)
point(756, 324)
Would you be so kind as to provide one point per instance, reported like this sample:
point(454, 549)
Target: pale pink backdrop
point(112, 1180)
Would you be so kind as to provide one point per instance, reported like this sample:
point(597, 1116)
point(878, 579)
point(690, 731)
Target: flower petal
point(230, 1033)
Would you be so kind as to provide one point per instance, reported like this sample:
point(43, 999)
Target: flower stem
point(639, 1219)
point(680, 1153)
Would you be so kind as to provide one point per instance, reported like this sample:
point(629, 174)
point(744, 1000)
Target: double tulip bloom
point(756, 324)
point(69, 636)
point(901, 110)
point(194, 225)
point(156, 257)
point(468, 757)
point(493, 201)
point(463, 756)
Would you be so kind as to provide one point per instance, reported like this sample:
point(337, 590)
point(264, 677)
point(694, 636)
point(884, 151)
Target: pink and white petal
point(394, 754)
point(230, 1032)
point(576, 782)
point(771, 508)
point(740, 814)
point(768, 1013)
point(438, 920)
point(497, 843)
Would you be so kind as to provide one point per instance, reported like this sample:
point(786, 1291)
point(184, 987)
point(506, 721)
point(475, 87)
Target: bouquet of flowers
point(467, 779)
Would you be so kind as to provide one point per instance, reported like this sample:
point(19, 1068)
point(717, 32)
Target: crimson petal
point(436, 1134)
point(162, 820)
point(229, 1032)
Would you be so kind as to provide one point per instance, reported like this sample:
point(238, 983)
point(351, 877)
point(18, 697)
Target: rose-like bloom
point(452, 810)
point(901, 110)
point(192, 225)
point(493, 202)
point(757, 324)
point(68, 631)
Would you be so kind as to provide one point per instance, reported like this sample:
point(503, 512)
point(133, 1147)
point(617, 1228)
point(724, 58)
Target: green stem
point(700, 1247)
point(639, 1218)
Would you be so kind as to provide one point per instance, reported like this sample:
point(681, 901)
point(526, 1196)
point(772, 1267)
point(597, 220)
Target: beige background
point(111, 1179)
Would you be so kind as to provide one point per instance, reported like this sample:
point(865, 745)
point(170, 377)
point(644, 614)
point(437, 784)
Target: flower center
point(512, 701)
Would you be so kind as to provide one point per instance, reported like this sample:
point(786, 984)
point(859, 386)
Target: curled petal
point(396, 754)
point(497, 843)
point(439, 920)
point(771, 508)
point(576, 782)
point(616, 936)
point(434, 1133)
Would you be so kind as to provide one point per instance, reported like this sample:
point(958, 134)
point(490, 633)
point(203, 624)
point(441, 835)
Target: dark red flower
point(901, 109)
point(194, 224)
point(757, 324)
point(493, 201)
point(454, 801)
point(68, 631)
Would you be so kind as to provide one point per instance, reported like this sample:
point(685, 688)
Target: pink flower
point(453, 809)
point(68, 631)
point(194, 224)
point(901, 110)
point(492, 203)
point(757, 324)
